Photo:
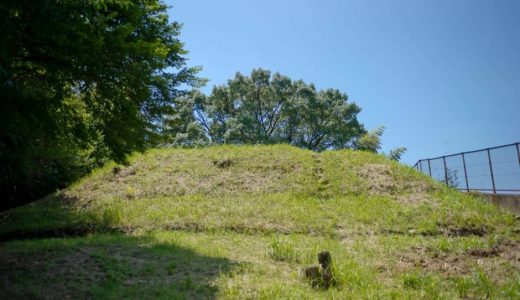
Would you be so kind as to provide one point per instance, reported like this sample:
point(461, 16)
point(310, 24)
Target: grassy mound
point(241, 222)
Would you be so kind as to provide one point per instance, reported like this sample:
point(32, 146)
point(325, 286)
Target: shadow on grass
point(109, 266)
point(57, 216)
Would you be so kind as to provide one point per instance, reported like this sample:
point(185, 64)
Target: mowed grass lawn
point(242, 222)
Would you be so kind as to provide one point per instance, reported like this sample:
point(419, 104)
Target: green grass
point(242, 222)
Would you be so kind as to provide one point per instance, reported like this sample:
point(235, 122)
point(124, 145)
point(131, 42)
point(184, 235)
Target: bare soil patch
point(382, 179)
point(450, 264)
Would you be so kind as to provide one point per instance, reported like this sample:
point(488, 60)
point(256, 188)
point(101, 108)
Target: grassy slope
point(239, 222)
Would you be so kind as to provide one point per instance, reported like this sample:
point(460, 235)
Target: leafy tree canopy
point(82, 81)
point(263, 108)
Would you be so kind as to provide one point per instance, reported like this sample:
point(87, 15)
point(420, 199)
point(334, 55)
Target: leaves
point(82, 82)
point(264, 109)
point(370, 141)
point(395, 154)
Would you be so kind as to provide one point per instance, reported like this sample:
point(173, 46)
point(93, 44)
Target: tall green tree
point(82, 81)
point(264, 108)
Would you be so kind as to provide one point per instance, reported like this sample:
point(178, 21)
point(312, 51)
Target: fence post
point(420, 165)
point(465, 172)
point(518, 152)
point(429, 168)
point(491, 170)
point(445, 170)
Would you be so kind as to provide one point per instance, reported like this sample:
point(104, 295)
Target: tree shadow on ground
point(110, 266)
point(57, 215)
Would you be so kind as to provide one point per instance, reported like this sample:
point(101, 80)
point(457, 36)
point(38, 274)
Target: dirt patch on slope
point(450, 264)
point(378, 177)
point(381, 180)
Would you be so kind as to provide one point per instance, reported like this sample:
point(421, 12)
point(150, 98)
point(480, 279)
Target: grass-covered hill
point(242, 222)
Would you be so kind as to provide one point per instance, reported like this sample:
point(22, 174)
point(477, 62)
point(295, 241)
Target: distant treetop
point(265, 109)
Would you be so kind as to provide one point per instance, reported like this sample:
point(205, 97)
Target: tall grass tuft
point(282, 249)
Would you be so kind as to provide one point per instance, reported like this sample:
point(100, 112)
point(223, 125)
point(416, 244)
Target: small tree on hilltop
point(371, 142)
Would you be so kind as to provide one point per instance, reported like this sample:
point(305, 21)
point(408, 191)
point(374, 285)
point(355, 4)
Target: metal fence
point(493, 170)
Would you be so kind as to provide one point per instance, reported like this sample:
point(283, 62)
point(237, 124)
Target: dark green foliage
point(265, 109)
point(371, 142)
point(395, 154)
point(82, 82)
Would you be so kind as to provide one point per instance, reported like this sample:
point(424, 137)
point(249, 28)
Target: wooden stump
point(326, 268)
point(321, 276)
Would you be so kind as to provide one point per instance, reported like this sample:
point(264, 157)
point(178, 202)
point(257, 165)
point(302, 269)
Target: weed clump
point(281, 250)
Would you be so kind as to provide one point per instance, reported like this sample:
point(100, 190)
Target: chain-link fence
point(493, 170)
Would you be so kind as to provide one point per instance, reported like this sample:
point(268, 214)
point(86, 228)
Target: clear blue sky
point(442, 76)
